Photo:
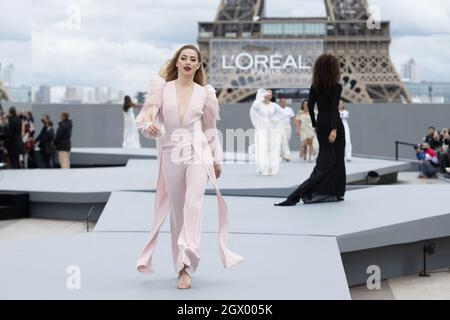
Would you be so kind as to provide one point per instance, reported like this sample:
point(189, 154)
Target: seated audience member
point(444, 155)
point(428, 161)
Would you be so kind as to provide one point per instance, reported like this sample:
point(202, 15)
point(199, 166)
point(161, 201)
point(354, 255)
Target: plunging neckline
point(178, 106)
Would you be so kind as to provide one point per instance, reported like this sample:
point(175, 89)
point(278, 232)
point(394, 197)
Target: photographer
point(62, 141)
point(45, 140)
point(444, 156)
point(432, 138)
point(428, 161)
point(3, 132)
point(13, 141)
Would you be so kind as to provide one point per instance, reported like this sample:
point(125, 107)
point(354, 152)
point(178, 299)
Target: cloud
point(415, 17)
point(162, 22)
point(15, 38)
point(15, 20)
point(19, 54)
point(127, 66)
point(430, 52)
point(120, 44)
point(419, 29)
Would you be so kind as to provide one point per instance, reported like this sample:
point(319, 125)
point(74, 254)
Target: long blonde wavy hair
point(170, 72)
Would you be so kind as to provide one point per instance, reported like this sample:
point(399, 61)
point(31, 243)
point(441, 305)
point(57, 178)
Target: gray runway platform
point(243, 176)
point(119, 156)
point(141, 175)
point(300, 248)
point(368, 218)
point(275, 268)
point(301, 252)
point(109, 156)
point(75, 194)
point(383, 225)
point(81, 193)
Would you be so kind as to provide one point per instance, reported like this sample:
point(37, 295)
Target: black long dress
point(328, 177)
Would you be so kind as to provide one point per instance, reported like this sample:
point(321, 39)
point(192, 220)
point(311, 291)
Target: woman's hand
point(152, 130)
point(217, 169)
point(332, 136)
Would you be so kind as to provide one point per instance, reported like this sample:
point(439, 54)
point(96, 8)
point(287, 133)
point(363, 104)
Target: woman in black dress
point(327, 181)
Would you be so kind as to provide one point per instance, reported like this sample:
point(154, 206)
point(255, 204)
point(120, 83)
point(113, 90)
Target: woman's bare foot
point(184, 280)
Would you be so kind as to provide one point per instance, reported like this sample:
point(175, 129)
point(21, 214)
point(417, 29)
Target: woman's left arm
point(334, 113)
point(335, 106)
point(209, 119)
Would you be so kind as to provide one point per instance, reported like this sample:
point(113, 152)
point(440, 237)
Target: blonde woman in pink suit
point(181, 111)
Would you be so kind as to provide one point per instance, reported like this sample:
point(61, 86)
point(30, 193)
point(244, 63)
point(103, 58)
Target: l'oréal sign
point(262, 63)
point(256, 63)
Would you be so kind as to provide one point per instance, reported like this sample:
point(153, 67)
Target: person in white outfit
point(286, 115)
point(306, 132)
point(266, 148)
point(130, 130)
point(348, 143)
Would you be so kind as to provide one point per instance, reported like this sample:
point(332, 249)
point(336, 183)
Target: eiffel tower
point(368, 73)
point(3, 93)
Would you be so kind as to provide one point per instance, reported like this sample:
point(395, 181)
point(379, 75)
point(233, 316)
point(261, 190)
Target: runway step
point(14, 205)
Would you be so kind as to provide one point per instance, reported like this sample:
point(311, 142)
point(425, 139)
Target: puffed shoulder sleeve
point(152, 104)
point(211, 109)
point(210, 116)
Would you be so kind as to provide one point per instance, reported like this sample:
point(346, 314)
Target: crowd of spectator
point(433, 155)
point(20, 148)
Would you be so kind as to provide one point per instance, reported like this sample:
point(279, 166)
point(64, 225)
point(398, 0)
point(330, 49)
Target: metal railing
point(295, 28)
point(398, 143)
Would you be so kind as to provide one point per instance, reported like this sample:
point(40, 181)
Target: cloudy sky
point(122, 44)
point(15, 37)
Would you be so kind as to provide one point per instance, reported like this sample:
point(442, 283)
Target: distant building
point(90, 95)
point(19, 94)
point(101, 94)
point(43, 94)
point(73, 95)
point(410, 71)
point(114, 96)
point(106, 95)
point(429, 92)
point(77, 95)
point(9, 75)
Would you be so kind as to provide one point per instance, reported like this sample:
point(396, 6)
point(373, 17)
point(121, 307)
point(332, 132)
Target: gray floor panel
point(275, 268)
point(380, 208)
point(142, 175)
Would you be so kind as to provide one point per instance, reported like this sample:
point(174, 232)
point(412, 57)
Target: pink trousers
point(186, 182)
